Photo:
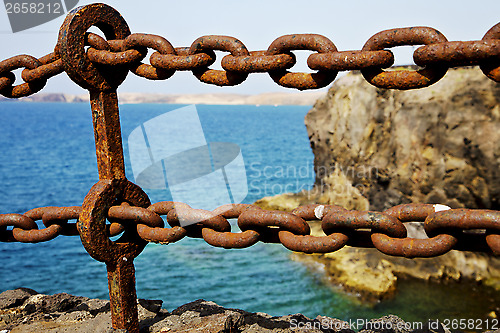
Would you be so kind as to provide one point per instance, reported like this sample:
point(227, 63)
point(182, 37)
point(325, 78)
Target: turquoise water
point(48, 159)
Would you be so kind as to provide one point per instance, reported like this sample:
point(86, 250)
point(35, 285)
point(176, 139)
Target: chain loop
point(454, 54)
point(350, 219)
point(313, 212)
point(258, 62)
point(437, 55)
point(382, 230)
point(73, 38)
point(414, 212)
point(139, 215)
point(404, 79)
point(221, 43)
point(255, 218)
point(466, 219)
point(24, 89)
point(350, 60)
point(492, 68)
point(34, 235)
point(313, 244)
point(155, 42)
point(60, 216)
point(230, 240)
point(238, 240)
point(189, 216)
point(17, 221)
point(149, 223)
point(51, 65)
point(302, 81)
point(104, 57)
point(411, 247)
point(161, 235)
point(97, 42)
point(6, 80)
point(182, 60)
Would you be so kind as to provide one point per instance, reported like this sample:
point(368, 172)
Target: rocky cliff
point(375, 148)
point(437, 145)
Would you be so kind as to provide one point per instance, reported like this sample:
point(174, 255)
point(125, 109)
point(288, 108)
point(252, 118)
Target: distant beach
point(276, 98)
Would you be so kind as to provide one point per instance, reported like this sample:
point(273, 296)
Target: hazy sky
point(349, 24)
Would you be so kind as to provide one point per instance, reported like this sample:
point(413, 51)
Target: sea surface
point(48, 159)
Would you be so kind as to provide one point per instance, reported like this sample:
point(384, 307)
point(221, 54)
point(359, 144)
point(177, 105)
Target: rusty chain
point(436, 56)
point(462, 229)
point(100, 65)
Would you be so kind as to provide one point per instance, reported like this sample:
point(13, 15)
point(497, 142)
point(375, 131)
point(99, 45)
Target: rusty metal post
point(107, 133)
point(113, 188)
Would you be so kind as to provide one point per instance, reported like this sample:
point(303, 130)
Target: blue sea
point(48, 159)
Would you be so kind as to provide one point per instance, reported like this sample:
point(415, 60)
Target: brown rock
point(200, 315)
point(16, 297)
point(436, 145)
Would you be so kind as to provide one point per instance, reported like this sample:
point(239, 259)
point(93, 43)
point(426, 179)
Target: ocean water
point(48, 159)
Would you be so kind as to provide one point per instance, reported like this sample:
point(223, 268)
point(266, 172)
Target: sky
point(349, 24)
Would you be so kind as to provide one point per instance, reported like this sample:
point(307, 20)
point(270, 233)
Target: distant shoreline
point(276, 98)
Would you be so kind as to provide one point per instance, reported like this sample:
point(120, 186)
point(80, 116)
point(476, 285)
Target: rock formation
point(436, 145)
point(375, 148)
point(25, 311)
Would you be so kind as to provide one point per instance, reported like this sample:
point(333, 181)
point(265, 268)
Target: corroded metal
point(220, 43)
point(258, 218)
point(154, 42)
point(404, 79)
point(230, 240)
point(106, 62)
point(107, 134)
point(491, 68)
point(350, 60)
point(51, 65)
point(376, 221)
point(71, 46)
point(302, 81)
point(182, 60)
point(313, 244)
point(101, 64)
point(467, 219)
point(411, 248)
point(24, 89)
point(458, 53)
point(18, 222)
point(112, 187)
point(118, 255)
point(258, 61)
point(446, 230)
point(92, 221)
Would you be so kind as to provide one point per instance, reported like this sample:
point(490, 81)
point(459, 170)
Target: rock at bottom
point(25, 311)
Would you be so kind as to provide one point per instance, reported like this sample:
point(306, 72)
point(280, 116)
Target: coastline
point(276, 98)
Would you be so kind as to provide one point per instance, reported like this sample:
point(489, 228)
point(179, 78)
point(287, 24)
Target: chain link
point(55, 219)
point(101, 65)
point(463, 229)
point(8, 78)
point(436, 56)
